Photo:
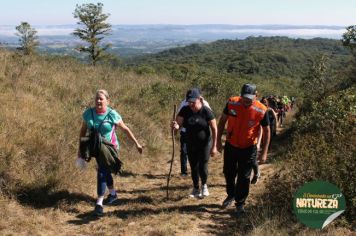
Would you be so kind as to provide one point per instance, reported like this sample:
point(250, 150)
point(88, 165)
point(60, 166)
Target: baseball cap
point(192, 95)
point(248, 91)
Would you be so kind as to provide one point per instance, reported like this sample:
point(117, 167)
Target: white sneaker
point(195, 193)
point(204, 191)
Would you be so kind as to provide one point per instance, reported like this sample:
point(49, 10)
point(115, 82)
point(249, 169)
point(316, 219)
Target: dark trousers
point(183, 153)
point(255, 166)
point(238, 162)
point(198, 157)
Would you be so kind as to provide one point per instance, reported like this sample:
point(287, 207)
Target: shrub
point(322, 148)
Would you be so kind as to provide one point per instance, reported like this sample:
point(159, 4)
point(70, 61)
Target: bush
point(322, 148)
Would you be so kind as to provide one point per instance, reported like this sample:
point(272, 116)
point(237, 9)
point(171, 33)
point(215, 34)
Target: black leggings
point(198, 157)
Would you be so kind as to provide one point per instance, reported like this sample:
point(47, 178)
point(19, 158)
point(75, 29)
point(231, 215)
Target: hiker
point(183, 138)
point(244, 115)
point(105, 119)
point(255, 167)
point(280, 112)
point(292, 102)
point(286, 103)
point(272, 118)
point(201, 143)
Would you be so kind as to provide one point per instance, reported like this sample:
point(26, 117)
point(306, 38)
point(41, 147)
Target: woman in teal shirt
point(107, 119)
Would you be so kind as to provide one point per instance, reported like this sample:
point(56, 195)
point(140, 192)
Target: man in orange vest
point(244, 115)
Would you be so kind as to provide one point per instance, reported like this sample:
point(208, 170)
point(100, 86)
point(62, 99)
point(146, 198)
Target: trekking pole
point(173, 144)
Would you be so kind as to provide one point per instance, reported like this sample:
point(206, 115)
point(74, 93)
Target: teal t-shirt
point(107, 129)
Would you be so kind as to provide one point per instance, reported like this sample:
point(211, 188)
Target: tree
point(92, 29)
point(349, 40)
point(349, 37)
point(315, 84)
point(28, 38)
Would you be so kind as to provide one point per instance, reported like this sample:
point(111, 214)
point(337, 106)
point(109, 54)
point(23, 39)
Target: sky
point(186, 12)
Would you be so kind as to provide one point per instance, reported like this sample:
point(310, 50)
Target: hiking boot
point(98, 210)
point(110, 199)
point(255, 178)
point(240, 210)
point(204, 191)
point(195, 193)
point(227, 202)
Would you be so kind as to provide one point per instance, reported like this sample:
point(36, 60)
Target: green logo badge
point(318, 203)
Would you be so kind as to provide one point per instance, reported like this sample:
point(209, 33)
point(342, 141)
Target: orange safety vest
point(243, 125)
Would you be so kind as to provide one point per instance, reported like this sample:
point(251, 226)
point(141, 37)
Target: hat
point(248, 91)
point(192, 95)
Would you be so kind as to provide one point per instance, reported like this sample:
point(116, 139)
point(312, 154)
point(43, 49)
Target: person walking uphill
point(197, 119)
point(183, 145)
point(105, 119)
point(243, 115)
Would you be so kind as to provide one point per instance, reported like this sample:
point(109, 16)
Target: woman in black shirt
point(201, 143)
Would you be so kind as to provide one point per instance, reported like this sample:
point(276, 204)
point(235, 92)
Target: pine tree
point(28, 38)
point(92, 29)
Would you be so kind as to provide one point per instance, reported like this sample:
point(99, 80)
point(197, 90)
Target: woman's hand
point(175, 125)
point(262, 158)
point(139, 148)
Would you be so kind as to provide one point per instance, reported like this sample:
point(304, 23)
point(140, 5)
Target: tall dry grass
point(43, 100)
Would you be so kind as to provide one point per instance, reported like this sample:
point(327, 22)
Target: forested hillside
point(268, 57)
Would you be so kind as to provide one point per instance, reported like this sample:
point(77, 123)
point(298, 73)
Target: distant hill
point(263, 56)
point(132, 40)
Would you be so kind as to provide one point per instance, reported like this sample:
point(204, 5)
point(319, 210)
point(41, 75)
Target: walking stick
point(173, 143)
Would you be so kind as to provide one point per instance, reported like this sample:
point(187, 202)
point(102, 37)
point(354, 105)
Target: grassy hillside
point(41, 117)
point(44, 98)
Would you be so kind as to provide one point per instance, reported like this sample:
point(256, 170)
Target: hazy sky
point(295, 12)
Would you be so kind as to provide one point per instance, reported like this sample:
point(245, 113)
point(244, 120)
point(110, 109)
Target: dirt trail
point(142, 208)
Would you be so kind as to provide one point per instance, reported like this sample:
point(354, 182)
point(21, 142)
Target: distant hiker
point(183, 138)
point(244, 115)
point(198, 119)
point(292, 102)
point(280, 111)
point(105, 120)
point(272, 117)
point(286, 103)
